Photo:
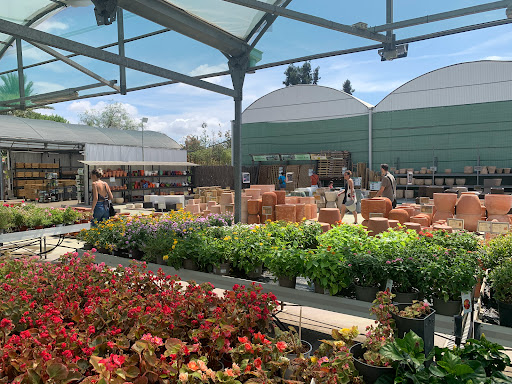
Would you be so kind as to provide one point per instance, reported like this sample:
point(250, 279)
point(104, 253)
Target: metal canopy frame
point(236, 50)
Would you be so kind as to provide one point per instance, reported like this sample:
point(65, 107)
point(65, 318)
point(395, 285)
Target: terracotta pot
point(445, 202)
point(375, 205)
point(377, 225)
point(211, 203)
point(499, 218)
point(285, 212)
point(254, 193)
point(253, 219)
point(442, 216)
point(410, 210)
point(325, 226)
point(226, 198)
point(193, 208)
point(329, 215)
point(426, 216)
point(291, 200)
point(300, 212)
point(423, 221)
point(206, 212)
point(441, 227)
point(203, 206)
point(401, 215)
point(393, 223)
point(215, 208)
point(498, 204)
point(307, 200)
point(468, 204)
point(253, 207)
point(280, 196)
point(415, 226)
point(264, 187)
point(470, 221)
point(269, 201)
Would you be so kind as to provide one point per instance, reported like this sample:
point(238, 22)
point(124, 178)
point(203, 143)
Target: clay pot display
point(300, 212)
point(285, 212)
point(468, 204)
point(291, 200)
point(410, 210)
point(255, 193)
point(269, 201)
point(226, 198)
point(329, 215)
point(211, 204)
point(491, 168)
point(203, 206)
point(401, 215)
point(253, 207)
point(264, 187)
point(445, 202)
point(313, 211)
point(215, 208)
point(440, 215)
point(244, 211)
point(307, 200)
point(377, 225)
point(449, 181)
point(460, 181)
point(375, 205)
point(280, 196)
point(415, 226)
point(470, 221)
point(422, 220)
point(206, 212)
point(331, 196)
point(499, 218)
point(498, 204)
point(193, 208)
point(393, 223)
point(445, 228)
point(253, 219)
point(468, 169)
point(325, 226)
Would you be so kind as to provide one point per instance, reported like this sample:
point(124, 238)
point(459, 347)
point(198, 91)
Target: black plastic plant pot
point(447, 308)
point(190, 265)
point(424, 327)
point(222, 269)
point(369, 372)
point(318, 287)
point(287, 282)
point(406, 297)
point(505, 314)
point(367, 294)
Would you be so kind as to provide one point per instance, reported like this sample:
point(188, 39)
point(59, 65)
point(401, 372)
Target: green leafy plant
point(501, 281)
point(417, 310)
point(327, 267)
point(286, 262)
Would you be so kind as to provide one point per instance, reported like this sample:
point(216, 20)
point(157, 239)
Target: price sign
point(427, 209)
point(112, 179)
point(409, 177)
point(266, 210)
point(477, 168)
point(376, 214)
point(484, 226)
point(455, 223)
point(289, 177)
point(466, 302)
point(424, 200)
point(433, 169)
point(389, 285)
point(500, 228)
point(357, 181)
point(246, 177)
point(302, 157)
point(375, 185)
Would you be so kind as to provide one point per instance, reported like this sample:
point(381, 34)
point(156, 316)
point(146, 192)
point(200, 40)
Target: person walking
point(100, 195)
point(388, 185)
point(282, 181)
point(349, 200)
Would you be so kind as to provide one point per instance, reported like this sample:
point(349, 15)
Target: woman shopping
point(101, 195)
point(349, 200)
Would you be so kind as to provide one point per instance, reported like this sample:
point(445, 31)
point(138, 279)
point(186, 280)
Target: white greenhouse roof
point(136, 163)
point(17, 129)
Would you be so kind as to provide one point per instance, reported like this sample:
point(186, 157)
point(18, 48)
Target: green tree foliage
point(347, 87)
point(10, 87)
point(209, 149)
point(30, 114)
point(114, 115)
point(301, 74)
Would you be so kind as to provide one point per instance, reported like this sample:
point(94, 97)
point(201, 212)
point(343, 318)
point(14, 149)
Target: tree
point(10, 88)
point(30, 114)
point(209, 149)
point(347, 87)
point(301, 74)
point(114, 115)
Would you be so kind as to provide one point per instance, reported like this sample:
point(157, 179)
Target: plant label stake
point(389, 285)
point(300, 325)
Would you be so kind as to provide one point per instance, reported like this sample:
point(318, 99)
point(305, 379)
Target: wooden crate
point(20, 165)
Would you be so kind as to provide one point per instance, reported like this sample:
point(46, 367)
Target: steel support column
point(120, 38)
point(2, 195)
point(370, 138)
point(21, 76)
point(238, 68)
point(389, 17)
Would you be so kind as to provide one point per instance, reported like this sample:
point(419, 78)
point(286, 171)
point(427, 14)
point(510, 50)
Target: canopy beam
point(309, 19)
point(48, 39)
point(182, 22)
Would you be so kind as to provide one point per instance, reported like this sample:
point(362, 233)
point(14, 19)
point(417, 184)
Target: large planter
point(505, 314)
point(447, 308)
point(375, 205)
point(370, 373)
point(256, 272)
point(222, 269)
point(318, 287)
point(399, 214)
point(498, 204)
point(445, 202)
point(287, 282)
point(366, 293)
point(468, 204)
point(424, 327)
point(406, 297)
point(190, 264)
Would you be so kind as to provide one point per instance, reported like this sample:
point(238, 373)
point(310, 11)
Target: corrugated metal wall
point(348, 134)
point(458, 134)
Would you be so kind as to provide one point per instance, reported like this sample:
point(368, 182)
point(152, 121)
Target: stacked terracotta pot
point(374, 205)
point(469, 209)
point(268, 206)
point(498, 207)
point(445, 205)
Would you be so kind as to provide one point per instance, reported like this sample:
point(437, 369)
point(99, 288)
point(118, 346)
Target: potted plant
point(219, 251)
point(6, 219)
point(418, 317)
point(286, 263)
point(368, 274)
point(501, 282)
point(326, 269)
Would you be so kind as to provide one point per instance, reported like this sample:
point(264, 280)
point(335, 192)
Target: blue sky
point(179, 109)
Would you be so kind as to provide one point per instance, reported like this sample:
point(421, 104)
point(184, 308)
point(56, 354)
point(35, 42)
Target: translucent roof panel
point(234, 19)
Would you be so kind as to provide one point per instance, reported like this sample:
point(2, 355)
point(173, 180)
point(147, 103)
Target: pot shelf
point(429, 175)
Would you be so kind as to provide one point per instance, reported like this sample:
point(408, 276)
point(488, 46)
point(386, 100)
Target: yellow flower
point(261, 243)
point(227, 238)
point(314, 359)
point(165, 257)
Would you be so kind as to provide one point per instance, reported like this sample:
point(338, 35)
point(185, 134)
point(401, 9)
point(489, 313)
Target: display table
point(167, 199)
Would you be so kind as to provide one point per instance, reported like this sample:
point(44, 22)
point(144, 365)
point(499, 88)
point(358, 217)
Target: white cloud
point(46, 87)
point(52, 26)
point(205, 69)
point(498, 58)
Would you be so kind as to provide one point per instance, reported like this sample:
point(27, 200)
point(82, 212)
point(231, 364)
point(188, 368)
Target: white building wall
point(304, 103)
point(459, 84)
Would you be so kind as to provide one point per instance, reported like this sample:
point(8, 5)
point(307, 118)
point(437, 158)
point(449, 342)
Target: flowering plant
point(417, 310)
